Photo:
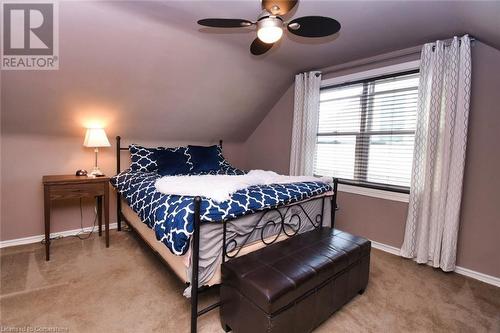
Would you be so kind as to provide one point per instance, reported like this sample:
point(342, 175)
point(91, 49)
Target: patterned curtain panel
point(439, 154)
point(305, 123)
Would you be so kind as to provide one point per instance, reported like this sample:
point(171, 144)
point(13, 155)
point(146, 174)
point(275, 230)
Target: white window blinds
point(366, 130)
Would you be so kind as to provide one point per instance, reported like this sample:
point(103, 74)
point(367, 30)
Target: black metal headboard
point(119, 149)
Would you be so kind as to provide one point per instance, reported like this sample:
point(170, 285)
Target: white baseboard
point(39, 238)
point(495, 281)
point(489, 279)
point(385, 248)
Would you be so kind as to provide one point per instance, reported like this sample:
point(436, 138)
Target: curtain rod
point(447, 42)
point(383, 57)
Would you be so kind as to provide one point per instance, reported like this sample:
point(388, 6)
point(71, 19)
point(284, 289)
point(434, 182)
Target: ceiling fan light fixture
point(270, 29)
point(270, 25)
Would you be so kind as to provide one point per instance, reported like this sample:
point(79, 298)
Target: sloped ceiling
point(146, 70)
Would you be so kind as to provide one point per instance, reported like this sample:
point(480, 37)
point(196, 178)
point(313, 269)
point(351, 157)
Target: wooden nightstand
point(70, 187)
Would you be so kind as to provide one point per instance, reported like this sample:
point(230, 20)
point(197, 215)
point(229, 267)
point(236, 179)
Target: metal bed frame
point(231, 249)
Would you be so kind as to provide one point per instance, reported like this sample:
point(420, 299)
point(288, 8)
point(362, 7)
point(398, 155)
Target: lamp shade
point(96, 137)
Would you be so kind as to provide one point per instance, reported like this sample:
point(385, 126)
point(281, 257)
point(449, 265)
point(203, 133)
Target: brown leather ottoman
point(294, 285)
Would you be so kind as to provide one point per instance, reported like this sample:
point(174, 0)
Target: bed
point(194, 235)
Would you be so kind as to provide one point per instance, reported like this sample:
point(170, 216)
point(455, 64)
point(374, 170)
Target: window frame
point(391, 192)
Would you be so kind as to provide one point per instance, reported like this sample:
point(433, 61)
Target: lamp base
point(96, 172)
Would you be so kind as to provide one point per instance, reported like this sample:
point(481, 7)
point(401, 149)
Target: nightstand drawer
point(69, 191)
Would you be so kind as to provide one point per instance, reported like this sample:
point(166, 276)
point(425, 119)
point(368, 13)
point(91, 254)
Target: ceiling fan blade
point(313, 26)
point(278, 7)
point(258, 47)
point(225, 23)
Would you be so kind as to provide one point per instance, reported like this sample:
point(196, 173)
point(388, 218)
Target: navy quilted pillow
point(144, 158)
point(172, 162)
point(204, 159)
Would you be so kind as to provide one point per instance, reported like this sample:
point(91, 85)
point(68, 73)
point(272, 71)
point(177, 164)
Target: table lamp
point(96, 138)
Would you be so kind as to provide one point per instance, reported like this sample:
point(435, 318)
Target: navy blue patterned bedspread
point(171, 216)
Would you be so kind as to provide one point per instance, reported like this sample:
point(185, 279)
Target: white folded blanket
point(220, 187)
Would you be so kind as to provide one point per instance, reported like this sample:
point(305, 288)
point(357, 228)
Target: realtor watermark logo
point(30, 36)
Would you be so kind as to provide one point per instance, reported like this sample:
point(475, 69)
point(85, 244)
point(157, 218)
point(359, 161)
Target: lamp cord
point(82, 234)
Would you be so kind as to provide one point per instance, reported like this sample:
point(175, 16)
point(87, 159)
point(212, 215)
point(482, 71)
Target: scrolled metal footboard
point(280, 220)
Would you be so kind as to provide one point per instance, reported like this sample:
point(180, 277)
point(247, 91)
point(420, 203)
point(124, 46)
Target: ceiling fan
point(270, 25)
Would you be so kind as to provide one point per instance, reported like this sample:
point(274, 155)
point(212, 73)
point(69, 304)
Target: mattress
point(172, 216)
point(260, 225)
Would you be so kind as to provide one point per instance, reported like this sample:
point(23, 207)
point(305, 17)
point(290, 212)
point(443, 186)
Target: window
point(366, 131)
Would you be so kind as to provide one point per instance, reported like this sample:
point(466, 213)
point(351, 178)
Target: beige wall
point(26, 158)
point(383, 220)
point(269, 145)
point(479, 237)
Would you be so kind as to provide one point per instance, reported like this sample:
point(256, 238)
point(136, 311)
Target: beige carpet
point(125, 288)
